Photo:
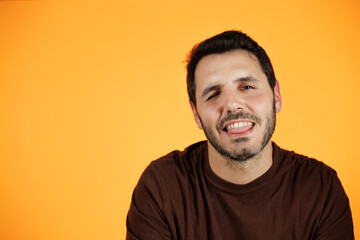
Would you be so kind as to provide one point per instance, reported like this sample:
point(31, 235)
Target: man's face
point(235, 105)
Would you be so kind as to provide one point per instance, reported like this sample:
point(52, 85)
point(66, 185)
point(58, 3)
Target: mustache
point(238, 115)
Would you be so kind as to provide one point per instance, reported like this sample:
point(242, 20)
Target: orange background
point(91, 92)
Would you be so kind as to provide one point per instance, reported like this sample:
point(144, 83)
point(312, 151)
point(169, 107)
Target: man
point(238, 184)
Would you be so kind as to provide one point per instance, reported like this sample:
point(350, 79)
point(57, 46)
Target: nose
point(233, 102)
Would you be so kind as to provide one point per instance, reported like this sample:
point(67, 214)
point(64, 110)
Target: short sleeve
point(146, 219)
point(336, 220)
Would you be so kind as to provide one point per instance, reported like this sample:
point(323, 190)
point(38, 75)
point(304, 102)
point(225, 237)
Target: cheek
point(260, 104)
point(208, 113)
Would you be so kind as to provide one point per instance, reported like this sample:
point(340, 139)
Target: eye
point(215, 94)
point(247, 87)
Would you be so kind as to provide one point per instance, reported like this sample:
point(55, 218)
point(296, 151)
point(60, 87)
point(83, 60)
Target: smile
point(238, 127)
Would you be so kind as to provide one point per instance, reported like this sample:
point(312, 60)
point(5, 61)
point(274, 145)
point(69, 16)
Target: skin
point(231, 87)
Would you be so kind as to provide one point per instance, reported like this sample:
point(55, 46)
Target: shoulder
point(177, 162)
point(166, 176)
point(302, 165)
point(319, 190)
point(151, 206)
point(306, 175)
point(172, 169)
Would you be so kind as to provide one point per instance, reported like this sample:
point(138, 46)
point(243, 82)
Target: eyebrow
point(217, 86)
point(210, 89)
point(247, 79)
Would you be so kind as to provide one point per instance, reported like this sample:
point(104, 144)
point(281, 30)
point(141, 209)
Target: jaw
point(245, 139)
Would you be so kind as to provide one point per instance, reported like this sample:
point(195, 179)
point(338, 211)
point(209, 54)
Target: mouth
point(238, 127)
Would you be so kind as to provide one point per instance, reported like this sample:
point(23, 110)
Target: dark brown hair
point(221, 43)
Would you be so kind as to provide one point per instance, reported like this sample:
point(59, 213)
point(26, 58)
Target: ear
point(196, 115)
point(277, 96)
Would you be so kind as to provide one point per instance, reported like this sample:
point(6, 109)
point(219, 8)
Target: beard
point(244, 153)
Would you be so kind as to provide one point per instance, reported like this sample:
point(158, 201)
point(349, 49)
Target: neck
point(240, 172)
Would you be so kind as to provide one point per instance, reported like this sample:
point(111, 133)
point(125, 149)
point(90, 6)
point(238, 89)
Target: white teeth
point(238, 124)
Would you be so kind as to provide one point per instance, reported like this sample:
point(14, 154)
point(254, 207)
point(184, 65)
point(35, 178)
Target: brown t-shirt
point(179, 197)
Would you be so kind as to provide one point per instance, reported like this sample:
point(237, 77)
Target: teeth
point(238, 124)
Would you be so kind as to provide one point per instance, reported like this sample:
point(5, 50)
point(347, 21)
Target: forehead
point(228, 66)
